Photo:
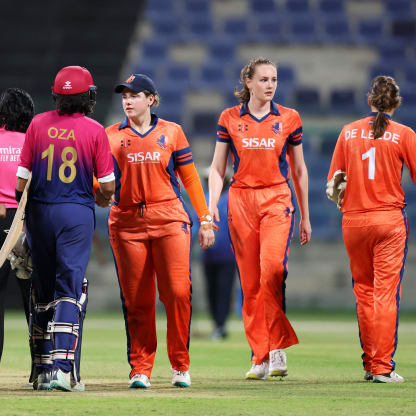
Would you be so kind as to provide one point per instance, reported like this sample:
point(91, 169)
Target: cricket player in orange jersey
point(263, 138)
point(365, 181)
point(150, 229)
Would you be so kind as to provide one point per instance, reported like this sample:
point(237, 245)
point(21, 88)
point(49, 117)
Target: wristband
point(18, 195)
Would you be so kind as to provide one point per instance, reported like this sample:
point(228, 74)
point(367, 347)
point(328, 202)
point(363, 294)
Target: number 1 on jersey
point(371, 156)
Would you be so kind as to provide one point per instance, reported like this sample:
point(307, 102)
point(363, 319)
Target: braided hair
point(243, 95)
point(384, 95)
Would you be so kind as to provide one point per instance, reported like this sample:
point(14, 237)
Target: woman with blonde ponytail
point(365, 181)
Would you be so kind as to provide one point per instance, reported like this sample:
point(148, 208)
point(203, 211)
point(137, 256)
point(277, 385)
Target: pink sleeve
point(104, 165)
point(26, 157)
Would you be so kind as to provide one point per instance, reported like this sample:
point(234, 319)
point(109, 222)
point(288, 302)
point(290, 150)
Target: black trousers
point(5, 272)
point(219, 279)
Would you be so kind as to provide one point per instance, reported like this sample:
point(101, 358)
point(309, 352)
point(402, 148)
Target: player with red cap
point(63, 150)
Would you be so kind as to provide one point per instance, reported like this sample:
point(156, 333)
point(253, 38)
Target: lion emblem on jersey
point(276, 128)
point(162, 141)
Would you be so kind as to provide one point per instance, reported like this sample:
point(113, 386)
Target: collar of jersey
point(125, 123)
point(373, 114)
point(273, 109)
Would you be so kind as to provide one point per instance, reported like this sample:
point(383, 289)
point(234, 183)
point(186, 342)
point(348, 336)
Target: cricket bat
point(16, 227)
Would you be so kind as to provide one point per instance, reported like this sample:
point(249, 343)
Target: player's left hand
point(100, 200)
point(305, 231)
point(206, 238)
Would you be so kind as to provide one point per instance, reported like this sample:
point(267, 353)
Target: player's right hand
point(100, 200)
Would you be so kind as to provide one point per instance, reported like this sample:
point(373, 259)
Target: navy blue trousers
point(60, 238)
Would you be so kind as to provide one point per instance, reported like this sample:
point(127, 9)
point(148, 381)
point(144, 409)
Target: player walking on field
point(63, 150)
point(16, 113)
point(263, 138)
point(365, 181)
point(149, 229)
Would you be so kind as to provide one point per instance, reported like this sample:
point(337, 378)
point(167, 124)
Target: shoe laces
point(179, 373)
point(277, 357)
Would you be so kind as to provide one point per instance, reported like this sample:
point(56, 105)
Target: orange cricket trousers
point(149, 240)
point(261, 223)
point(376, 244)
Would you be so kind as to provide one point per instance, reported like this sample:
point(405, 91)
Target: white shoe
point(277, 363)
point(180, 378)
point(258, 371)
point(65, 381)
point(393, 377)
point(139, 381)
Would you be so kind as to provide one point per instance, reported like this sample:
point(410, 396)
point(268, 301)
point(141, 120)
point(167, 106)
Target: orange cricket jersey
point(145, 164)
point(374, 166)
point(259, 146)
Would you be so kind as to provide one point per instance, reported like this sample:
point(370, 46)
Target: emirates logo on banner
point(242, 127)
point(125, 142)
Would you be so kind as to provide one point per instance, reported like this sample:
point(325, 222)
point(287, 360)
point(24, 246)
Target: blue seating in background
point(370, 31)
point(262, 7)
point(399, 8)
point(179, 75)
point(285, 76)
point(410, 75)
point(342, 100)
point(303, 30)
point(332, 8)
point(270, 29)
point(307, 99)
point(393, 52)
point(205, 122)
point(404, 29)
point(196, 8)
point(297, 7)
point(382, 68)
point(147, 69)
point(212, 75)
point(167, 29)
point(200, 28)
point(221, 50)
point(236, 29)
point(336, 30)
point(156, 50)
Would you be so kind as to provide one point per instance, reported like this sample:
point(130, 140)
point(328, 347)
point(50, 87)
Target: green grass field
point(325, 373)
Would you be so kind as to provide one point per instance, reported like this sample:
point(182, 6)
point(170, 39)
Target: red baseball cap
point(72, 80)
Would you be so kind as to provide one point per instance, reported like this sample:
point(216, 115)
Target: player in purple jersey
point(63, 149)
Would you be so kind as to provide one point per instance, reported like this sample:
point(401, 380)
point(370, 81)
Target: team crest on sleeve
point(277, 128)
point(125, 142)
point(243, 127)
point(162, 141)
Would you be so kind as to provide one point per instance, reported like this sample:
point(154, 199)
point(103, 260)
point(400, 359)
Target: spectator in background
point(16, 112)
point(265, 142)
point(219, 269)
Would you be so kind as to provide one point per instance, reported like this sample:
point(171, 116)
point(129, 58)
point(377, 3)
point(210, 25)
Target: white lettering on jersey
point(369, 135)
point(143, 157)
point(259, 143)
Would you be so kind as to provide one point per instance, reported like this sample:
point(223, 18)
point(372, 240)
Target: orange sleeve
point(95, 185)
point(191, 182)
point(338, 158)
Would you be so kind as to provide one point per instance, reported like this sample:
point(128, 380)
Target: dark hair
point(248, 72)
point(78, 103)
point(384, 95)
point(16, 110)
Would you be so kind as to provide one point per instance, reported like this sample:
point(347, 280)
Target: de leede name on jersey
point(369, 134)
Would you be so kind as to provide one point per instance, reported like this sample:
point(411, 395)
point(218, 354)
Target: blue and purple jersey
point(63, 153)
